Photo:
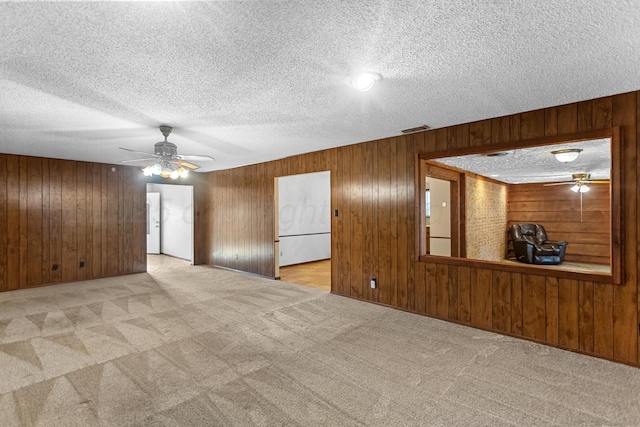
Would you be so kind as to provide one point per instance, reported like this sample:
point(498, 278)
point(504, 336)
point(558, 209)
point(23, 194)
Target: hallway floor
point(314, 274)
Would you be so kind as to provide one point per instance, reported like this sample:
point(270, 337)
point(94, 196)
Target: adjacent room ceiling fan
point(579, 182)
point(167, 162)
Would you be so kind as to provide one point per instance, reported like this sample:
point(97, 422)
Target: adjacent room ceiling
point(251, 81)
point(538, 164)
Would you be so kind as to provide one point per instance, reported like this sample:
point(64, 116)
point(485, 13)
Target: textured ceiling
point(537, 164)
point(250, 81)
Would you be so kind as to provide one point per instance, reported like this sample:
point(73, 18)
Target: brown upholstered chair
point(531, 246)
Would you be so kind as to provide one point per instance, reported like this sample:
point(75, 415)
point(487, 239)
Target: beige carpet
point(190, 346)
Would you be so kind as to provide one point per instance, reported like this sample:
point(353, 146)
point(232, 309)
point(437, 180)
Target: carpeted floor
point(197, 346)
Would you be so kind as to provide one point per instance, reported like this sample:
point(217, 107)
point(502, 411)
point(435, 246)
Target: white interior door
point(153, 223)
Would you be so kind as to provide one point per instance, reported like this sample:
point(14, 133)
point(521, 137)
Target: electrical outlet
point(54, 267)
point(374, 283)
point(81, 264)
point(236, 256)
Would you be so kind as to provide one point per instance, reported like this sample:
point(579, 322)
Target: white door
point(153, 223)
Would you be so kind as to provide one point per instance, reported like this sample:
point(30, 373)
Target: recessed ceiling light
point(497, 154)
point(363, 81)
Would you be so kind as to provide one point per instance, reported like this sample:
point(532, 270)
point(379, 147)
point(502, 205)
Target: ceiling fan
point(580, 181)
point(168, 163)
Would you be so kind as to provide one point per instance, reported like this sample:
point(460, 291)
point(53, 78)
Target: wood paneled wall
point(65, 212)
point(557, 208)
point(373, 186)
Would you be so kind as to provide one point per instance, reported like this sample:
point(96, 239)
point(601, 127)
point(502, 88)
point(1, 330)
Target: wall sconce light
point(568, 155)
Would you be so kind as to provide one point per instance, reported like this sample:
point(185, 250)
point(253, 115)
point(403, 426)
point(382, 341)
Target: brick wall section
point(486, 219)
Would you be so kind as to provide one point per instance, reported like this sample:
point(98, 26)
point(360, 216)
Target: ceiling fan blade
point(139, 152)
point(186, 165)
point(558, 183)
point(597, 181)
point(138, 160)
point(195, 157)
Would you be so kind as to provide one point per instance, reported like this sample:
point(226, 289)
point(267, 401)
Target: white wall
point(176, 219)
point(304, 217)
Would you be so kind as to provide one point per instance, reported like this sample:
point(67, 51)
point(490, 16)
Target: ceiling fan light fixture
point(363, 81)
point(567, 155)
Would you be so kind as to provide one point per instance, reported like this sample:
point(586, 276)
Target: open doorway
point(303, 229)
point(170, 220)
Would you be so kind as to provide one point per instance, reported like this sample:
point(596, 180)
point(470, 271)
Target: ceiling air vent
point(416, 129)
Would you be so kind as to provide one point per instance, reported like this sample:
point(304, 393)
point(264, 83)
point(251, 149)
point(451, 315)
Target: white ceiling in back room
point(247, 82)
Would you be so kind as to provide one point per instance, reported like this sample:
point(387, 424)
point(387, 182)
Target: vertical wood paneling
point(585, 312)
point(464, 294)
point(358, 282)
point(113, 201)
point(480, 133)
point(602, 113)
point(4, 285)
point(603, 320)
point(23, 224)
point(50, 215)
point(568, 332)
point(442, 290)
point(107, 221)
point(412, 216)
point(55, 220)
point(500, 129)
point(501, 296)
point(441, 141)
point(568, 119)
point(88, 223)
point(431, 301)
point(81, 221)
point(625, 297)
point(373, 185)
point(385, 285)
point(404, 178)
point(34, 210)
point(533, 307)
point(452, 292)
point(551, 294)
point(532, 124)
point(585, 116)
point(551, 121)
point(344, 236)
point(516, 303)
point(481, 298)
point(68, 230)
point(98, 221)
point(46, 226)
point(13, 222)
point(140, 228)
point(127, 222)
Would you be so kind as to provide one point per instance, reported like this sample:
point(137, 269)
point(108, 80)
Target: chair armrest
point(524, 250)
